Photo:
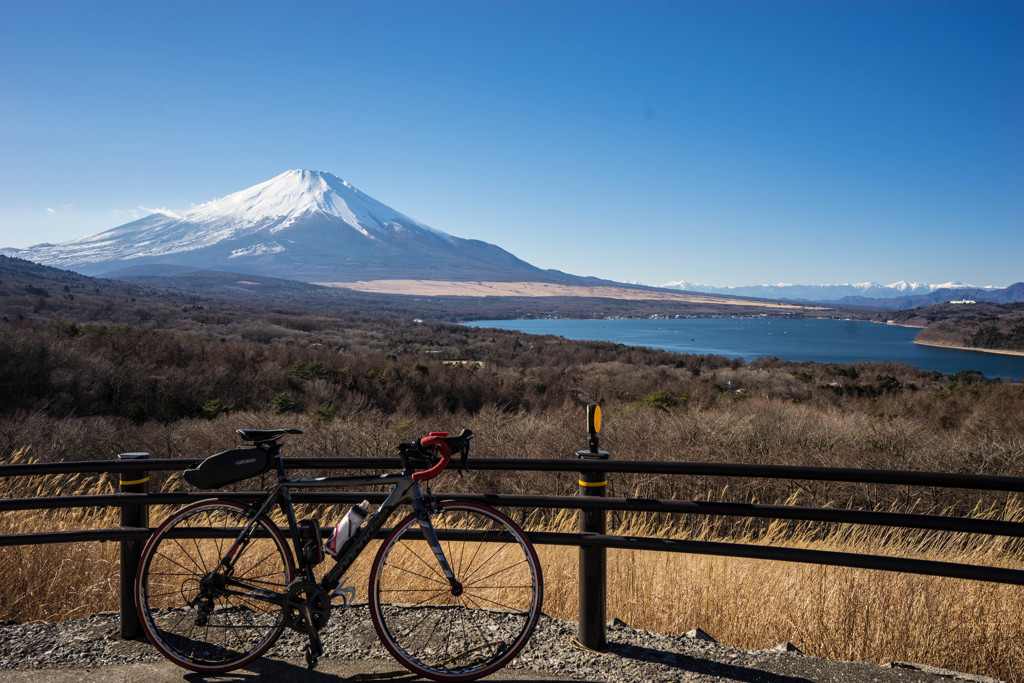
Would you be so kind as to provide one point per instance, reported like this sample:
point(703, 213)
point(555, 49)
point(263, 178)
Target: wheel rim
point(185, 611)
point(467, 630)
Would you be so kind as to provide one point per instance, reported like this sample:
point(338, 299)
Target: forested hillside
point(981, 325)
point(988, 333)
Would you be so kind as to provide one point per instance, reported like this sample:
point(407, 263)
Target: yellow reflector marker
point(134, 481)
point(594, 418)
point(593, 483)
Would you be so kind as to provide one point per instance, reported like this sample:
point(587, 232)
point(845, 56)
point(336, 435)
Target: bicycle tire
point(450, 635)
point(207, 630)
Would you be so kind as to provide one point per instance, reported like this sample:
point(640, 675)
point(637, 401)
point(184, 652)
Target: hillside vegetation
point(989, 326)
point(174, 374)
point(989, 333)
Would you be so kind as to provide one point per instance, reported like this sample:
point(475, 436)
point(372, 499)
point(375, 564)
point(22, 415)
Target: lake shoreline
point(792, 339)
point(1002, 352)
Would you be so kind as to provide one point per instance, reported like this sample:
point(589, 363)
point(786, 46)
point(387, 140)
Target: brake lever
point(465, 460)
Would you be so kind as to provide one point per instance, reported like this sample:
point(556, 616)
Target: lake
point(824, 341)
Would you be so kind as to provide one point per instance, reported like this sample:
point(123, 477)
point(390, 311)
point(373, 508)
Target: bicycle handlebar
point(436, 444)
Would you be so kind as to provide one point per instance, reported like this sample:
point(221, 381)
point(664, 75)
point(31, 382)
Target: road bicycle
point(454, 591)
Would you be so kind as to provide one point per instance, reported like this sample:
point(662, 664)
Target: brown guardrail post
point(592, 559)
point(131, 551)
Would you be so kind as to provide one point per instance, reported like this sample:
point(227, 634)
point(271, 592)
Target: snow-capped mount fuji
point(302, 225)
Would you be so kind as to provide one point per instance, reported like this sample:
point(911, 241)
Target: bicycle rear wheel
point(205, 620)
point(473, 630)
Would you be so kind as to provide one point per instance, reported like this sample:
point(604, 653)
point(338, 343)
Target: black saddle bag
point(228, 467)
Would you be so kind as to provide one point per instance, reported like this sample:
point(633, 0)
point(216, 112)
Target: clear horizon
point(730, 143)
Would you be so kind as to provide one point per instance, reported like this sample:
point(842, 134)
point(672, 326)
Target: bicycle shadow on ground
point(335, 670)
point(704, 667)
point(279, 670)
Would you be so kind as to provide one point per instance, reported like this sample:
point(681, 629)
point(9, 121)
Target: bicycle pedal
point(347, 593)
point(312, 657)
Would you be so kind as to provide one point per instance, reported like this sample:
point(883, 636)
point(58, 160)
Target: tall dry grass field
point(833, 612)
point(62, 581)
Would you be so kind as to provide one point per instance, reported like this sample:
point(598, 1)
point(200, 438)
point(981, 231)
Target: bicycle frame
point(405, 490)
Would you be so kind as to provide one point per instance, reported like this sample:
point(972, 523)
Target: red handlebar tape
point(436, 441)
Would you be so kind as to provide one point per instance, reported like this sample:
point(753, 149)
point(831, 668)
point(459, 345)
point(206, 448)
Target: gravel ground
point(632, 656)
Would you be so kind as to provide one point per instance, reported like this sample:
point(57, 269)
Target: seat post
point(278, 461)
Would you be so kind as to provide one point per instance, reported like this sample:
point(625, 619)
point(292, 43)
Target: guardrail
point(593, 466)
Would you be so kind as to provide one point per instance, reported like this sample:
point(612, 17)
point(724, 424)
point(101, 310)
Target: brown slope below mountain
point(600, 289)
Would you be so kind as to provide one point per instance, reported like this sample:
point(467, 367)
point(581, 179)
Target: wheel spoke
point(476, 582)
point(433, 567)
point(422, 576)
point(483, 638)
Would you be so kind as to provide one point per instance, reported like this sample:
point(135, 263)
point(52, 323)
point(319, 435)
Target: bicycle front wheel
point(199, 613)
point(473, 629)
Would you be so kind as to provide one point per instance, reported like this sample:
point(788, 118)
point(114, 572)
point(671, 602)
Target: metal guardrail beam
point(708, 469)
point(824, 557)
point(80, 536)
point(901, 520)
point(749, 551)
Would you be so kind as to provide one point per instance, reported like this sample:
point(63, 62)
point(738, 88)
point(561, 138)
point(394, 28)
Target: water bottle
point(347, 528)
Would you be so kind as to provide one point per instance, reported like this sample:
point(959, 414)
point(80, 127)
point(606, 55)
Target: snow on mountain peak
point(904, 285)
point(300, 192)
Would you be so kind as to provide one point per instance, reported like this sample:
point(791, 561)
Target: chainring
point(300, 595)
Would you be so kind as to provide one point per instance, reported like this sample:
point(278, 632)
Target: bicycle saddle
point(261, 435)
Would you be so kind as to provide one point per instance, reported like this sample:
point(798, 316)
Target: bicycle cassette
point(306, 602)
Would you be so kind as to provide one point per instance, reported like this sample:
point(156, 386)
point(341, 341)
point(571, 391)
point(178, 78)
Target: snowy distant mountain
point(864, 290)
point(302, 225)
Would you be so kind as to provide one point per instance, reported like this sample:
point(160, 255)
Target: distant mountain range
point(301, 225)
point(897, 296)
point(1007, 295)
point(868, 290)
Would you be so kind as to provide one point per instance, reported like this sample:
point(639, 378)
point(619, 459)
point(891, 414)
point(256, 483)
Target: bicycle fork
point(435, 546)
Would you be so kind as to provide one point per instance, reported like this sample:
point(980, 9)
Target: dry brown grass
point(833, 612)
point(61, 581)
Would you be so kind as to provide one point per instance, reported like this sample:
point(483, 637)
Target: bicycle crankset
point(306, 603)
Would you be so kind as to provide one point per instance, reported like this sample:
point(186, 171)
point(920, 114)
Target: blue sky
point(722, 142)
